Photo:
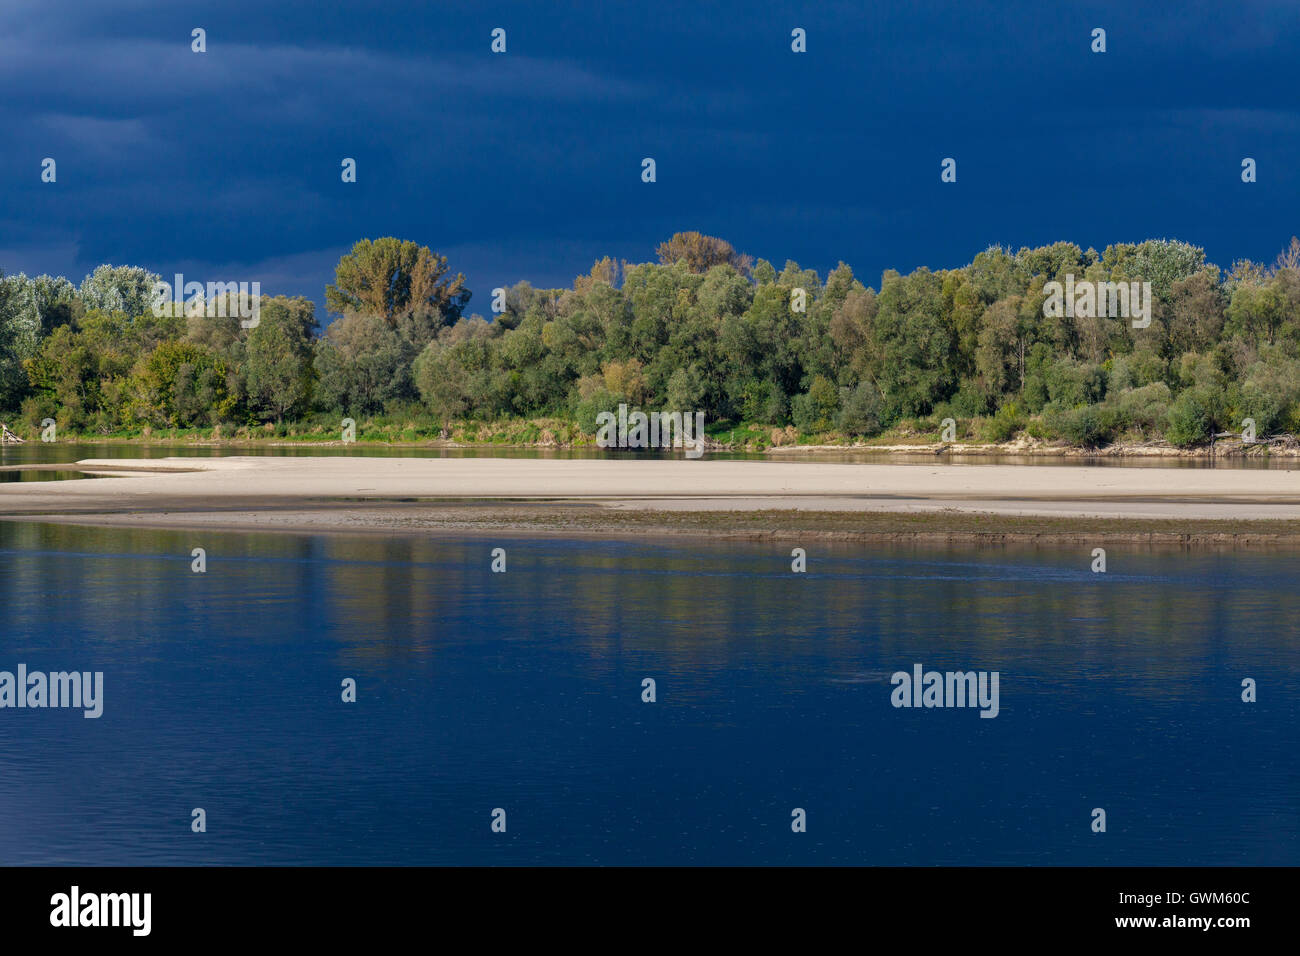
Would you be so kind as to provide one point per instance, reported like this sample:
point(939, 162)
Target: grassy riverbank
point(917, 436)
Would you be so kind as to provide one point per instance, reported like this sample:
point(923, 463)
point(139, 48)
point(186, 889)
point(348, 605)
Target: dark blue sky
point(527, 165)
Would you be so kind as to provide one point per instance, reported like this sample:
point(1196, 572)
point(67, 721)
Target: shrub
point(1145, 407)
point(969, 402)
point(1087, 427)
point(1005, 423)
point(1034, 395)
point(763, 402)
point(1269, 393)
point(860, 410)
point(597, 400)
point(39, 407)
point(1071, 384)
point(816, 409)
point(1193, 417)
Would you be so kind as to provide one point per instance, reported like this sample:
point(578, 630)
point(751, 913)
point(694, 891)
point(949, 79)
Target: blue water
point(522, 691)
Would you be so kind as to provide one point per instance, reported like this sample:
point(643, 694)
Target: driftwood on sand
point(1245, 447)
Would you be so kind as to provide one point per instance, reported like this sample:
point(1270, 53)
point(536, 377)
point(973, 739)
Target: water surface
point(523, 691)
point(45, 453)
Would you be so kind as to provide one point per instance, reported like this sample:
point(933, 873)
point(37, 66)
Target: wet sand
point(666, 496)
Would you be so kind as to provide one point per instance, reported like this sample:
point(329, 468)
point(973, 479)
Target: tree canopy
point(703, 329)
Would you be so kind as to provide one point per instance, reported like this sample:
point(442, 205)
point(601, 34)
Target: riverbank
point(924, 501)
point(567, 520)
point(1232, 449)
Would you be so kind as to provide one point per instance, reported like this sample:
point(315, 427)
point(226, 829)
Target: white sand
point(153, 486)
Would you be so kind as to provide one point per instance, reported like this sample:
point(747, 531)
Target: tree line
point(704, 328)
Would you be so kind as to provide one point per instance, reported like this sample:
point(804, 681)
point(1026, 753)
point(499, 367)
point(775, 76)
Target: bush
point(1071, 384)
point(1265, 407)
point(1005, 424)
point(1087, 427)
point(40, 407)
point(1119, 376)
point(817, 409)
point(1194, 416)
point(598, 400)
point(1200, 370)
point(1034, 395)
point(969, 402)
point(1148, 368)
point(860, 410)
point(1270, 392)
point(1146, 407)
point(763, 402)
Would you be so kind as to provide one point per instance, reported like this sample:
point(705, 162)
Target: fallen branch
point(1267, 441)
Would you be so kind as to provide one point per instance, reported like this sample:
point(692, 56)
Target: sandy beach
point(648, 496)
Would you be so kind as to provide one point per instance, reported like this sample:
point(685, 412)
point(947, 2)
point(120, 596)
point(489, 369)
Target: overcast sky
point(527, 165)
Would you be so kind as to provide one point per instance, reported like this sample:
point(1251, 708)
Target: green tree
point(67, 371)
point(1195, 415)
point(860, 410)
point(455, 374)
point(701, 253)
point(278, 370)
point(1255, 312)
point(362, 365)
point(20, 327)
point(817, 409)
point(915, 343)
point(405, 284)
point(180, 385)
point(126, 289)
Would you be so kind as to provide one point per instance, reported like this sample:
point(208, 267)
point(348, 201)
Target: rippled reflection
point(523, 691)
